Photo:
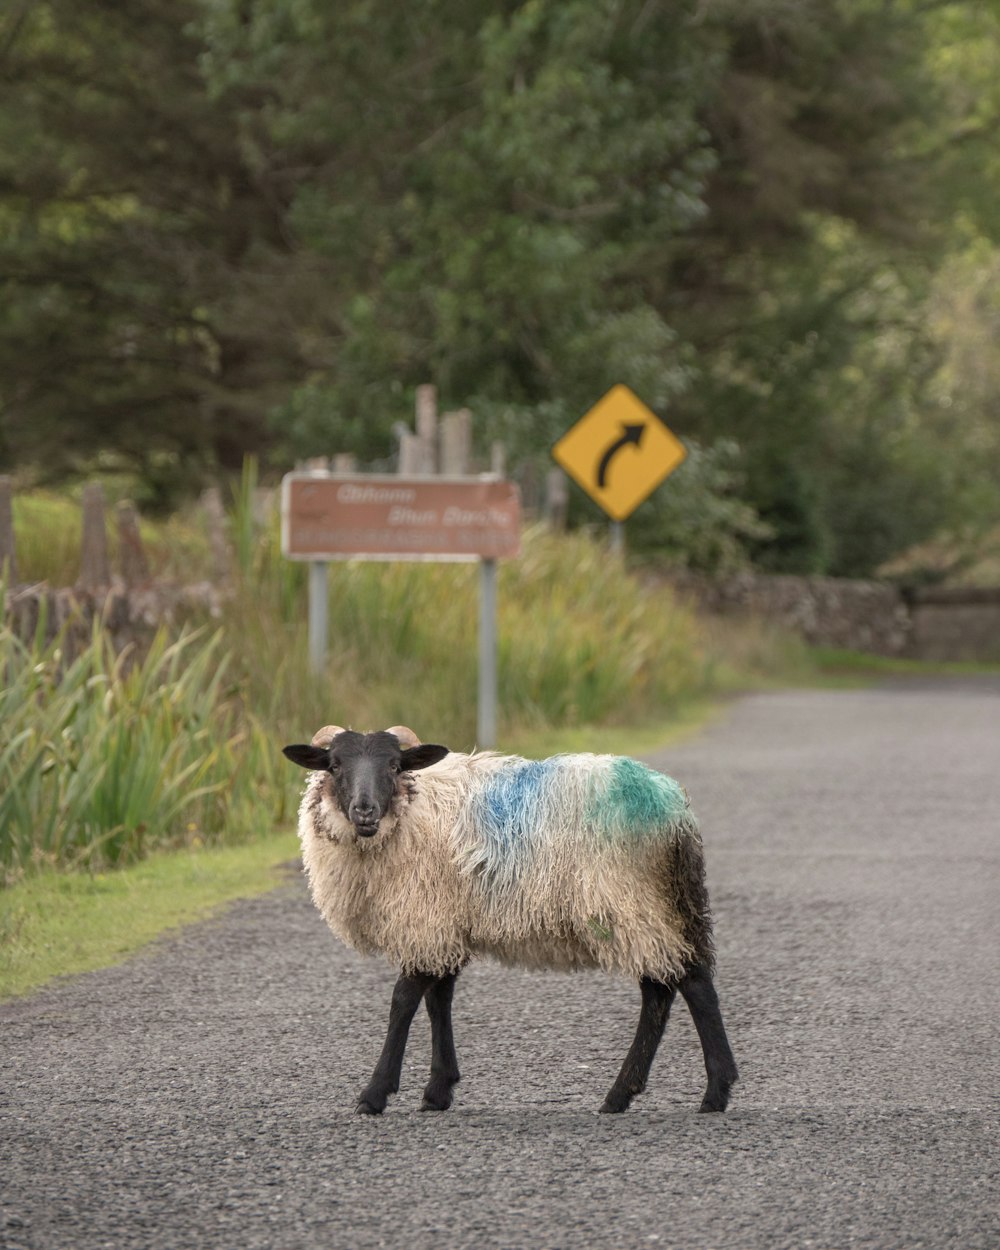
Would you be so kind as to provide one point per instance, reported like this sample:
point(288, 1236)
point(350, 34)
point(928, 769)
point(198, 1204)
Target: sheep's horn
point(323, 737)
point(407, 738)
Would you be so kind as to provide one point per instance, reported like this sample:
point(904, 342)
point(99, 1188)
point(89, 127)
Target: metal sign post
point(318, 607)
point(486, 721)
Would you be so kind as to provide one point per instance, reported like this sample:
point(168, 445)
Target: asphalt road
point(201, 1095)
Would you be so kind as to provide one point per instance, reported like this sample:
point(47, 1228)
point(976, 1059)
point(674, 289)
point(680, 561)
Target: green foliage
point(699, 519)
point(109, 756)
point(258, 227)
point(125, 213)
point(604, 649)
point(826, 389)
point(547, 150)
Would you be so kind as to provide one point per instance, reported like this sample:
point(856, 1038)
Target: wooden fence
point(125, 599)
point(128, 601)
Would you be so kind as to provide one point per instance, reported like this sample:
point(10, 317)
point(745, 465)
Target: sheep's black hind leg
point(406, 996)
point(444, 1062)
point(720, 1066)
point(656, 1001)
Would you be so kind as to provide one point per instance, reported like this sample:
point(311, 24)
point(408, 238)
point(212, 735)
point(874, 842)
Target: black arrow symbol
point(630, 434)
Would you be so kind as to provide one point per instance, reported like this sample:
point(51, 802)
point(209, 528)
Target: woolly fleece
point(571, 862)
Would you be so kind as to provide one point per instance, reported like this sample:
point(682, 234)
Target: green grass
point(108, 756)
point(582, 641)
point(834, 667)
point(689, 718)
point(56, 923)
point(106, 759)
point(47, 529)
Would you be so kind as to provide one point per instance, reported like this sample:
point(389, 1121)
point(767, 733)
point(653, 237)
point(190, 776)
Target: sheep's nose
point(364, 816)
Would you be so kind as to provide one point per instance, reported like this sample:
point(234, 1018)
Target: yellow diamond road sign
point(619, 452)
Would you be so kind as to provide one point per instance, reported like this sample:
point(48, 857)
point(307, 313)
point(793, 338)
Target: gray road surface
point(201, 1095)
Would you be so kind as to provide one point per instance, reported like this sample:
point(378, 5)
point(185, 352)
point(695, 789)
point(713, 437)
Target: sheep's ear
point(316, 758)
point(422, 756)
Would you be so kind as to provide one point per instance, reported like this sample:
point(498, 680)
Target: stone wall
point(956, 624)
point(868, 616)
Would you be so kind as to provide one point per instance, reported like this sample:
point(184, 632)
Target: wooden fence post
point(556, 498)
point(427, 427)
point(456, 442)
point(8, 553)
point(410, 454)
point(498, 458)
point(95, 570)
point(215, 514)
point(132, 562)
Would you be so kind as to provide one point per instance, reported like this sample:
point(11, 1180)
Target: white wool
point(531, 863)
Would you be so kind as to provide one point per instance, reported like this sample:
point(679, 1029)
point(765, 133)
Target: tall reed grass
point(581, 641)
point(107, 756)
point(116, 754)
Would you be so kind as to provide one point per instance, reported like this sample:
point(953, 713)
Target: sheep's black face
point(365, 770)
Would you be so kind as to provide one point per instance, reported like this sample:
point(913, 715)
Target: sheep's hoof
point(715, 1100)
point(370, 1105)
point(615, 1104)
point(436, 1100)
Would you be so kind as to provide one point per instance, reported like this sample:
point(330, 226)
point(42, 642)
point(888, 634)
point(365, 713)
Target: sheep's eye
point(394, 767)
point(334, 766)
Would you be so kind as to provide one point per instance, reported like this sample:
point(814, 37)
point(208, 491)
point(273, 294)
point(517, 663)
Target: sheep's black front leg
point(699, 993)
point(406, 996)
point(444, 1062)
point(656, 1001)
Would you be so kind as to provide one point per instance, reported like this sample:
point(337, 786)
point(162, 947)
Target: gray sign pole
point(486, 728)
point(318, 601)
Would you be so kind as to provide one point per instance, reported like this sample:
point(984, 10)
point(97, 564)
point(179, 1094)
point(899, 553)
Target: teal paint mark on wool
point(636, 801)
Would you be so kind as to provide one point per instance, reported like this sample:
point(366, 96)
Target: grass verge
point(837, 667)
point(58, 923)
point(64, 923)
point(686, 719)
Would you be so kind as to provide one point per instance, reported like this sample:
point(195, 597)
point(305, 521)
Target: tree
point(135, 239)
point(494, 181)
point(257, 225)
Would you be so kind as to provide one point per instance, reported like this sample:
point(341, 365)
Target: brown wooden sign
point(326, 517)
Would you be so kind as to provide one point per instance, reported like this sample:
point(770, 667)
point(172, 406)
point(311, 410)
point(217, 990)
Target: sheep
point(572, 862)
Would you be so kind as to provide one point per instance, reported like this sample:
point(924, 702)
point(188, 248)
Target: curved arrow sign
point(619, 452)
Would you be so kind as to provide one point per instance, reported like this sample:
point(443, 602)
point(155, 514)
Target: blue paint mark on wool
point(510, 812)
